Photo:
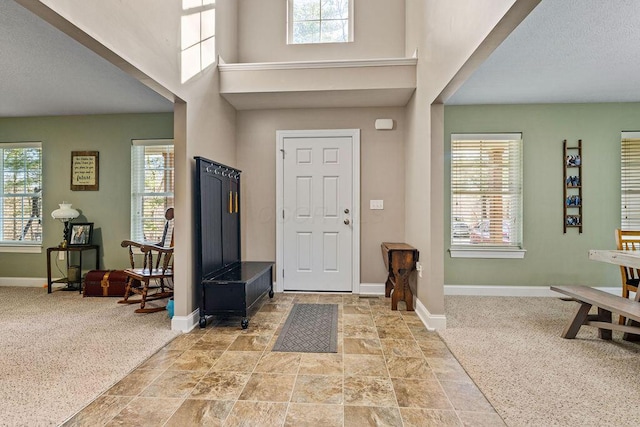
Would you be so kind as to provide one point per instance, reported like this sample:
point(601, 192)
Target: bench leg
point(578, 320)
point(388, 287)
point(396, 295)
point(604, 316)
point(631, 337)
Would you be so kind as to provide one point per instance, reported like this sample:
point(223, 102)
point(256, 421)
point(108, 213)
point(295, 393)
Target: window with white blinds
point(630, 180)
point(152, 187)
point(486, 191)
point(21, 193)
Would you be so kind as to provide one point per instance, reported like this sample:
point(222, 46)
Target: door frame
point(354, 134)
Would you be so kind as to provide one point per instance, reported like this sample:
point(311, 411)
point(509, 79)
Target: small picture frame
point(80, 233)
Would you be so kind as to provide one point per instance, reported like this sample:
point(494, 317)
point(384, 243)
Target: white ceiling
point(45, 72)
point(564, 51)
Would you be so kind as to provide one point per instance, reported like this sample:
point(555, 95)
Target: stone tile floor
point(388, 371)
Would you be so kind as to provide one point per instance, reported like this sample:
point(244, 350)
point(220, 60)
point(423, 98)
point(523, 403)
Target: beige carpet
point(60, 351)
point(511, 348)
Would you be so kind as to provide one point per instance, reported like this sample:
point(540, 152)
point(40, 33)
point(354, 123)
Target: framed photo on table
point(80, 233)
point(84, 170)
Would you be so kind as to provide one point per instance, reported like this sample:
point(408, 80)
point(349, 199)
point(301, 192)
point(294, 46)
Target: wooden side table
point(68, 250)
point(399, 260)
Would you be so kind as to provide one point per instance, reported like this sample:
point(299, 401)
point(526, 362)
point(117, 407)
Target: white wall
point(262, 37)
point(381, 170)
point(446, 34)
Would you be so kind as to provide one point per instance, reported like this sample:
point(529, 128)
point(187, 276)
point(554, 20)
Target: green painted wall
point(109, 207)
point(552, 257)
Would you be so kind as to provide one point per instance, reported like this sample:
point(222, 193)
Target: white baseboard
point(512, 291)
point(185, 323)
point(432, 322)
point(26, 282)
point(371, 288)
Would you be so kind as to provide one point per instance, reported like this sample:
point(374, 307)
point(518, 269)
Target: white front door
point(318, 206)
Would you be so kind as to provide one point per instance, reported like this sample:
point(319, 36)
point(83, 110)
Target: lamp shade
point(65, 212)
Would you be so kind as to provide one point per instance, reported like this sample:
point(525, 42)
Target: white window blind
point(21, 193)
point(152, 187)
point(630, 181)
point(486, 190)
point(320, 21)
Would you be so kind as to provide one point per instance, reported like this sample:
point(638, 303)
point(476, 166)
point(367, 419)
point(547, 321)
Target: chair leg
point(165, 288)
point(128, 290)
point(145, 291)
point(143, 301)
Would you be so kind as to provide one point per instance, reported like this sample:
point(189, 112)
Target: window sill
point(502, 253)
point(21, 249)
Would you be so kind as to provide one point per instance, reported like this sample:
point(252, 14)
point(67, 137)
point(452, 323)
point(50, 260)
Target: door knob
point(346, 221)
point(346, 211)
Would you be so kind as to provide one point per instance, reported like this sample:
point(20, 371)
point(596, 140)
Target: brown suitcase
point(104, 283)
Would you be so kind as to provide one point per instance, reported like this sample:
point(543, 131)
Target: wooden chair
point(154, 279)
point(628, 240)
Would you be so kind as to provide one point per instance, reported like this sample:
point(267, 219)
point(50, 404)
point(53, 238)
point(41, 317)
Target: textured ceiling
point(45, 72)
point(564, 51)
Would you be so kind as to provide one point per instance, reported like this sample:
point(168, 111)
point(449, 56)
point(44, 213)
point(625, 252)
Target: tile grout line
point(384, 358)
point(375, 311)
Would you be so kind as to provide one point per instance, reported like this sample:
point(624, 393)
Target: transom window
point(197, 36)
point(320, 21)
point(21, 193)
point(152, 187)
point(486, 191)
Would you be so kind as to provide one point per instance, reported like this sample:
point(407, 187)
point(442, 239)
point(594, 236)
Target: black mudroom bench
point(228, 285)
point(236, 290)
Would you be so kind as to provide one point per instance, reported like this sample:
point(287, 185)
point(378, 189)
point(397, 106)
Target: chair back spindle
point(628, 240)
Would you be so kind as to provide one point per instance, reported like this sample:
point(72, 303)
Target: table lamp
point(65, 213)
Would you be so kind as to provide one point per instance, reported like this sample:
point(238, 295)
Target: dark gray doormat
point(310, 328)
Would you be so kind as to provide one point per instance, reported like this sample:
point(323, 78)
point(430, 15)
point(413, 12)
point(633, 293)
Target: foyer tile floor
point(388, 371)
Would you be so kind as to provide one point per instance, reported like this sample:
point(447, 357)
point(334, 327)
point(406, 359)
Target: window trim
point(22, 248)
point(19, 246)
point(488, 251)
point(133, 184)
point(290, 40)
point(457, 252)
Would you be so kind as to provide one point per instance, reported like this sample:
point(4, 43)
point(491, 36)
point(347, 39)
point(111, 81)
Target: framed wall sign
point(84, 170)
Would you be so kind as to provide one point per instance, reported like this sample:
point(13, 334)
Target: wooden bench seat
point(606, 304)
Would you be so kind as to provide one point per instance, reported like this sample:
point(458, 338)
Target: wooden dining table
point(617, 257)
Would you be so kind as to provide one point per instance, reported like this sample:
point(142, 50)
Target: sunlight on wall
point(198, 42)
